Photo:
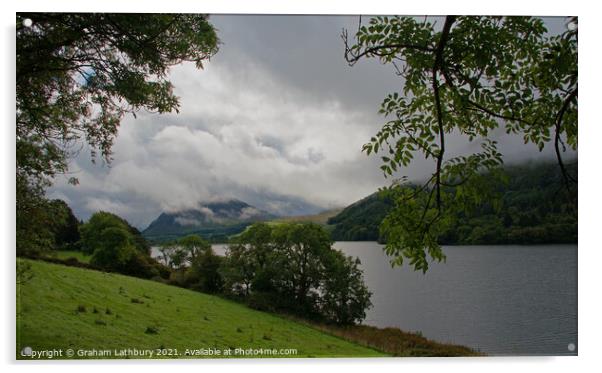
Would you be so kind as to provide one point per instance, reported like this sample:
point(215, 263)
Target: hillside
point(66, 307)
point(214, 221)
point(319, 218)
point(534, 211)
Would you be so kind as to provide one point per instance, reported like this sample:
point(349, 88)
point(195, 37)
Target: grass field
point(71, 308)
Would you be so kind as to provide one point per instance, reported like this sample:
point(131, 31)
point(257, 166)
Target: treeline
point(111, 242)
point(289, 267)
point(535, 209)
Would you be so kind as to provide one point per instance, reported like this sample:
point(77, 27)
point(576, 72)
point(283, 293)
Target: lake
point(501, 300)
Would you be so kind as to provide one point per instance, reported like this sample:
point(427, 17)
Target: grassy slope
point(48, 317)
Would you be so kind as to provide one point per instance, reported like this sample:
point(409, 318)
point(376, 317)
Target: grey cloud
point(277, 119)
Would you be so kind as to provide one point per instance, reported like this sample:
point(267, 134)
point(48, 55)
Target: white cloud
point(247, 129)
point(236, 132)
point(104, 204)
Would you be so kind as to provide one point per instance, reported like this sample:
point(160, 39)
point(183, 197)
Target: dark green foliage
point(194, 264)
point(118, 247)
point(113, 249)
point(53, 227)
point(535, 209)
point(66, 235)
point(301, 256)
point(203, 273)
point(292, 267)
point(38, 221)
point(345, 297)
point(361, 220)
point(77, 76)
point(532, 208)
point(101, 220)
point(469, 76)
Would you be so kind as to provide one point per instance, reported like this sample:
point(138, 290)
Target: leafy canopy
point(78, 75)
point(466, 76)
point(293, 267)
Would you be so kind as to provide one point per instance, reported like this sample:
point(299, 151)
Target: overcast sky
point(276, 119)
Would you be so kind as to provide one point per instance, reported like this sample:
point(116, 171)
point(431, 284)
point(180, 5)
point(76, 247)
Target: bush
point(139, 265)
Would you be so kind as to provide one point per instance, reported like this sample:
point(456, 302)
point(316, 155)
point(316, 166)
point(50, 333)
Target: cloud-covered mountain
point(212, 220)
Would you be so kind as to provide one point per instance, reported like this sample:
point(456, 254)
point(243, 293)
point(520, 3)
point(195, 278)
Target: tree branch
point(449, 20)
point(567, 101)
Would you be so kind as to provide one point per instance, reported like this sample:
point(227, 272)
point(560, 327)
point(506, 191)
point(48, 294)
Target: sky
point(276, 119)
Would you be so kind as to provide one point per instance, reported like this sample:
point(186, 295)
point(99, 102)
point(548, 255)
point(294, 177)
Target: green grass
point(84, 258)
point(72, 308)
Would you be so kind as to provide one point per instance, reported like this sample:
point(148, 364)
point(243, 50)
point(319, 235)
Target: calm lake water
point(501, 300)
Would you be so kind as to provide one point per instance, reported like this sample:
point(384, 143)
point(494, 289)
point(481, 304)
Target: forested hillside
point(535, 209)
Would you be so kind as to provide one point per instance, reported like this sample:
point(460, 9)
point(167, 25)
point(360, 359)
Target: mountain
point(214, 221)
point(535, 210)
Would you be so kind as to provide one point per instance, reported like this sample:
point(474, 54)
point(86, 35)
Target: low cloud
point(280, 133)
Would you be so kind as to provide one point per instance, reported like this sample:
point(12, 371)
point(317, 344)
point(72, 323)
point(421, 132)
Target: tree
point(66, 231)
point(345, 297)
point(171, 254)
point(301, 249)
point(42, 229)
point(193, 246)
point(204, 272)
point(77, 76)
point(116, 246)
point(238, 270)
point(250, 261)
point(91, 232)
point(114, 249)
point(292, 267)
point(468, 76)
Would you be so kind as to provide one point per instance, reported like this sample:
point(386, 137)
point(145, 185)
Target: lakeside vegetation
point(262, 271)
